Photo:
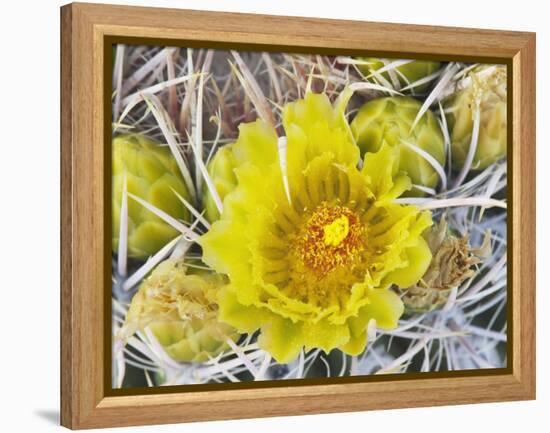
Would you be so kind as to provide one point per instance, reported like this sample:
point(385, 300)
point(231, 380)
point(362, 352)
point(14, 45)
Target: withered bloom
point(453, 262)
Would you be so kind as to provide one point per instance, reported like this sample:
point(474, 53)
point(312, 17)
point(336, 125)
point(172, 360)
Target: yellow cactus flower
point(151, 173)
point(220, 170)
point(180, 310)
point(311, 243)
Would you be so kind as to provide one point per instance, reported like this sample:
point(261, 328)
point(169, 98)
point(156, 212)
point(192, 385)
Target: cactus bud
point(151, 173)
point(220, 170)
point(390, 120)
point(403, 75)
point(483, 89)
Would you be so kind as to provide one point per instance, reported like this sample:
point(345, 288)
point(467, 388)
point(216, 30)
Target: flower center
point(336, 231)
point(331, 238)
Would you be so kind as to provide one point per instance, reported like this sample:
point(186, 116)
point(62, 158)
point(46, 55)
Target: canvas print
point(304, 216)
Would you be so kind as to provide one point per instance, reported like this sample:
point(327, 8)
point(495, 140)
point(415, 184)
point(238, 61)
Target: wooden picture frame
point(85, 28)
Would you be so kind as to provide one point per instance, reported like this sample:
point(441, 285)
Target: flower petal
point(257, 144)
point(224, 249)
point(418, 260)
point(385, 307)
point(243, 318)
point(324, 335)
point(380, 168)
point(282, 339)
point(324, 126)
point(355, 345)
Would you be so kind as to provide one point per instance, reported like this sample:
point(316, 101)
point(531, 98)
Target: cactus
point(151, 173)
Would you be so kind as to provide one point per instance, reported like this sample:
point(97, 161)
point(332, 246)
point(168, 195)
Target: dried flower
point(389, 120)
point(151, 173)
point(484, 90)
point(310, 243)
point(453, 261)
point(180, 310)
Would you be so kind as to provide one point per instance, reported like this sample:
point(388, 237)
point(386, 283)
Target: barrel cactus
point(390, 120)
point(180, 309)
point(221, 172)
point(402, 75)
point(150, 173)
point(483, 89)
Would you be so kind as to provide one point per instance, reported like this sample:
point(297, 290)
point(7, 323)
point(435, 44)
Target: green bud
point(453, 261)
point(151, 173)
point(389, 120)
point(485, 87)
point(180, 309)
point(402, 75)
point(220, 169)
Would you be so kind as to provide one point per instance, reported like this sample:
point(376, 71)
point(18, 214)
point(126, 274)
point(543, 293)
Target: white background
point(29, 215)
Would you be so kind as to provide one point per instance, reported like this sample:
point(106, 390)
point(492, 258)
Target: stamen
point(332, 237)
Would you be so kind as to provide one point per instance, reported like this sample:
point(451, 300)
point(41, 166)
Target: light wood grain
point(84, 27)
point(523, 214)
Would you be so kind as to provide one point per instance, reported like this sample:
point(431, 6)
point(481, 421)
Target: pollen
point(332, 237)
